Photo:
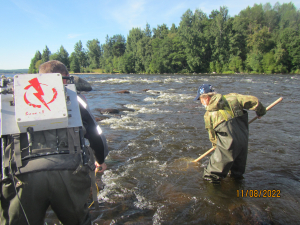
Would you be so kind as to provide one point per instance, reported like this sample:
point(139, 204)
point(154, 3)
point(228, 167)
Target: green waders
point(231, 150)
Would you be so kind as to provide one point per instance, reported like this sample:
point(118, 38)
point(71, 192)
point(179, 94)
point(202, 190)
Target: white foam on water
point(128, 123)
point(153, 92)
point(148, 109)
point(133, 106)
point(158, 215)
point(142, 202)
point(130, 80)
point(153, 111)
point(112, 81)
point(172, 80)
point(167, 97)
point(134, 157)
point(247, 80)
point(113, 182)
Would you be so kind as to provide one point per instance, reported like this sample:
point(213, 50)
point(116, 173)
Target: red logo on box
point(34, 83)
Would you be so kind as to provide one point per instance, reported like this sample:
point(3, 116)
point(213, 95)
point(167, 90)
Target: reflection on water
point(150, 177)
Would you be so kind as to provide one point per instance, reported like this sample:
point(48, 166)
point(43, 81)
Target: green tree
point(62, 55)
point(46, 55)
point(37, 57)
point(144, 54)
point(81, 55)
point(235, 64)
point(94, 53)
point(127, 63)
point(271, 17)
point(74, 63)
point(253, 62)
point(193, 31)
point(268, 63)
point(259, 43)
point(289, 16)
point(289, 41)
point(220, 29)
point(135, 34)
point(161, 31)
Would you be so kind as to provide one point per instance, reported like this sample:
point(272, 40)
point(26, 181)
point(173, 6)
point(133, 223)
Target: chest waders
point(232, 145)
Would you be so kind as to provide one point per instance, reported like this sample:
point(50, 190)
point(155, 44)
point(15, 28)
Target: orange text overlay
point(258, 193)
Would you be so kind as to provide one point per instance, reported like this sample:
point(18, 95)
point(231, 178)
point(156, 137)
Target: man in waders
point(50, 167)
point(227, 124)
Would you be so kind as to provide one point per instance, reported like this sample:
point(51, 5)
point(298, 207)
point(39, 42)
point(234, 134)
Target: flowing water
point(157, 133)
point(150, 177)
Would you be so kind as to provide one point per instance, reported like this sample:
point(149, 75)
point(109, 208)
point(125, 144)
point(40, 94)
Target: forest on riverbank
point(260, 39)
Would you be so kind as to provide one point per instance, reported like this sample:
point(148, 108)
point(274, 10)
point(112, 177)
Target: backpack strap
point(223, 114)
point(73, 139)
point(17, 150)
point(7, 154)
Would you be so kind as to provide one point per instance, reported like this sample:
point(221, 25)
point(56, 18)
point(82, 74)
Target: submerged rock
point(126, 109)
point(100, 118)
point(122, 92)
point(109, 110)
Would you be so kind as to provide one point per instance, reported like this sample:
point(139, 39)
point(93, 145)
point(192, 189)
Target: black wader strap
point(17, 151)
point(7, 153)
point(73, 139)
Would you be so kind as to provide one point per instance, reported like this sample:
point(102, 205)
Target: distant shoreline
point(188, 73)
point(95, 73)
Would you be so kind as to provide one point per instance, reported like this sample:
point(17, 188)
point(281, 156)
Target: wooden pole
point(212, 149)
point(205, 154)
point(268, 108)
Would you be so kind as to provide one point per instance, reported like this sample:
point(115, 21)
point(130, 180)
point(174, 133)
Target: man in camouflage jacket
point(227, 124)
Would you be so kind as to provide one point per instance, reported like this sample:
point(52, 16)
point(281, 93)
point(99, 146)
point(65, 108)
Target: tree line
point(260, 39)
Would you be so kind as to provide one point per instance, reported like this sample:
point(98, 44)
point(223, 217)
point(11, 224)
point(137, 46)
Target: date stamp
point(252, 193)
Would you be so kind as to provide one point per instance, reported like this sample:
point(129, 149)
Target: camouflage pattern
point(231, 104)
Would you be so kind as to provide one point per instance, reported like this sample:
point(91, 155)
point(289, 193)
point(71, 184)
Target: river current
point(150, 177)
point(156, 134)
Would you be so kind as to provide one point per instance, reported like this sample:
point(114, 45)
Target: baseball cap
point(203, 89)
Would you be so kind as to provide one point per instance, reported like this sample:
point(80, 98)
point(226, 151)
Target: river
point(150, 177)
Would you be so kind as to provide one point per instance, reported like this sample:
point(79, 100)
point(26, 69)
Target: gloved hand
point(100, 167)
point(260, 110)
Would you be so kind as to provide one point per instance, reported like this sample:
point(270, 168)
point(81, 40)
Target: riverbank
point(188, 74)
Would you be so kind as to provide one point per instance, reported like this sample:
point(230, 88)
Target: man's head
point(54, 66)
point(204, 93)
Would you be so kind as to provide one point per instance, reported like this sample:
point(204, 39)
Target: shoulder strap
point(73, 139)
point(13, 148)
point(17, 150)
point(223, 114)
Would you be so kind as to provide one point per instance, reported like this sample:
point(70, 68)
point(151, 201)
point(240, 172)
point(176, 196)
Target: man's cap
point(203, 89)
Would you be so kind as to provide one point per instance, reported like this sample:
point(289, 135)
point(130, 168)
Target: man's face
point(205, 100)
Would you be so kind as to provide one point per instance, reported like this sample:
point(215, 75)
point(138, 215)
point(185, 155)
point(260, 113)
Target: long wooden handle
point(268, 108)
point(212, 149)
point(205, 154)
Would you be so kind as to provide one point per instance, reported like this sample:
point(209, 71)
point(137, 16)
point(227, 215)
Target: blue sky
point(29, 25)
